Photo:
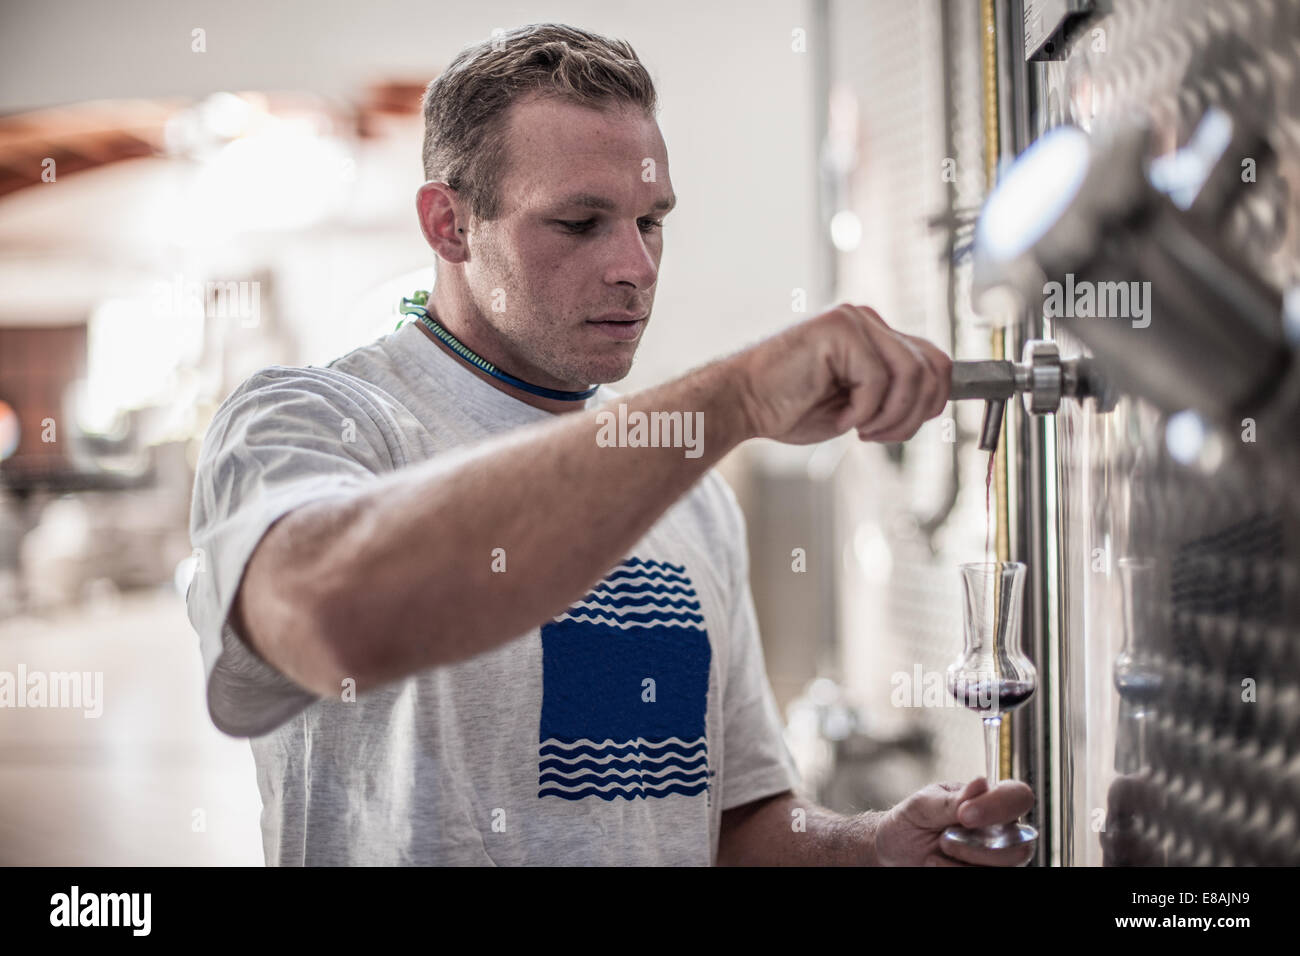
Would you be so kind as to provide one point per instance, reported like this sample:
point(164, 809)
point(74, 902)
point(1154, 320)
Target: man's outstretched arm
point(399, 577)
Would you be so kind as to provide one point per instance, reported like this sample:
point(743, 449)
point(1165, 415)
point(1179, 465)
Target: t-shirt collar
point(453, 375)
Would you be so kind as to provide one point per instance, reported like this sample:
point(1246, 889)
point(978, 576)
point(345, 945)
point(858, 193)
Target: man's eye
point(576, 227)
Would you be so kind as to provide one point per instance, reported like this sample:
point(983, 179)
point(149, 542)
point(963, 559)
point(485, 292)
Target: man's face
point(579, 238)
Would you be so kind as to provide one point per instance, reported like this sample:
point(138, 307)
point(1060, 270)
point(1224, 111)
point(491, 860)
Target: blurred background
point(190, 192)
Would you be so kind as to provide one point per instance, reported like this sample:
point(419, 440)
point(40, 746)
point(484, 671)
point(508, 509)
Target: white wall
point(736, 114)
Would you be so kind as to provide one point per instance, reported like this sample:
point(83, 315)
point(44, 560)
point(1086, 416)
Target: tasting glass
point(992, 676)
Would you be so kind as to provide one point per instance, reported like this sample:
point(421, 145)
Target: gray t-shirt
point(549, 749)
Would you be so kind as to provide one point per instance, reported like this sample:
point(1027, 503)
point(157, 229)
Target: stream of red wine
point(988, 508)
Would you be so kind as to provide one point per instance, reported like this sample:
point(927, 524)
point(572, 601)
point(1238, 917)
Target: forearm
point(411, 578)
point(792, 831)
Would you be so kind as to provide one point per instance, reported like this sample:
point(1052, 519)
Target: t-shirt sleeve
point(756, 761)
point(284, 438)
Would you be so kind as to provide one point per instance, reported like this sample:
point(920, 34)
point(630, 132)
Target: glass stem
point(992, 755)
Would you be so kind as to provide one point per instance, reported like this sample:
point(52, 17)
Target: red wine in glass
point(991, 696)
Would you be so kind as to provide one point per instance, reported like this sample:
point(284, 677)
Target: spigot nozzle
point(991, 427)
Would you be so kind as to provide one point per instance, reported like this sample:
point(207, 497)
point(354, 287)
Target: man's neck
point(466, 337)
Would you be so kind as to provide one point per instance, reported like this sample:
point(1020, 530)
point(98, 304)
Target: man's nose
point(632, 259)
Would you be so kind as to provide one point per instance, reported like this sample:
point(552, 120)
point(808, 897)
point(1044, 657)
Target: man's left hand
point(911, 832)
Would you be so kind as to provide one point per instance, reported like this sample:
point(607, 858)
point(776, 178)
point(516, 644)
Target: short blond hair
point(465, 107)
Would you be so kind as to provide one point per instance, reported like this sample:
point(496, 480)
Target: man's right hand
point(839, 370)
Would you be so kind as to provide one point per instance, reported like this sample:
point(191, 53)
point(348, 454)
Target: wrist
point(730, 399)
point(874, 821)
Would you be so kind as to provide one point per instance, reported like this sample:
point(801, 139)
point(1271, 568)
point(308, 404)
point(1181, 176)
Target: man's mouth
point(619, 325)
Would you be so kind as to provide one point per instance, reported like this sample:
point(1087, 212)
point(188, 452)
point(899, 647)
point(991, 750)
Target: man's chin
point(603, 369)
point(611, 372)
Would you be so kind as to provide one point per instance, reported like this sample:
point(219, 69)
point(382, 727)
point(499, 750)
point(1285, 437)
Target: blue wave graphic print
point(598, 737)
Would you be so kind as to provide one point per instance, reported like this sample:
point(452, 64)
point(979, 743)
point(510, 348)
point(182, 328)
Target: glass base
point(996, 837)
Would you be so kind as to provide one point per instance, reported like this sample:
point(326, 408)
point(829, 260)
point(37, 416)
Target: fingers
point(907, 373)
point(969, 792)
point(978, 806)
point(943, 811)
point(941, 362)
point(917, 411)
point(866, 377)
point(920, 379)
point(1008, 801)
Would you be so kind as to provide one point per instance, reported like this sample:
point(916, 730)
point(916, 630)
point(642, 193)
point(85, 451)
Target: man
point(458, 626)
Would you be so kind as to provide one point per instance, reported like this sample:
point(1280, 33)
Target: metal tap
point(1043, 378)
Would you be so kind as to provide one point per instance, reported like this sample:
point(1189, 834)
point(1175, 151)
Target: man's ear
point(437, 207)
